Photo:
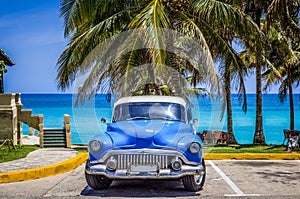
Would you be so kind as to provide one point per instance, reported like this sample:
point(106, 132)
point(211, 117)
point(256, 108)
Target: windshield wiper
point(138, 118)
point(165, 118)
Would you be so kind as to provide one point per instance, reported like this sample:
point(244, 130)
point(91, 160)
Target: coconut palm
point(235, 73)
point(281, 15)
point(256, 9)
point(92, 24)
point(232, 76)
point(286, 73)
point(110, 40)
point(89, 23)
point(284, 32)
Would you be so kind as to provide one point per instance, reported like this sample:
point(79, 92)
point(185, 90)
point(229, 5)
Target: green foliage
point(171, 46)
point(282, 28)
point(244, 149)
point(152, 40)
point(81, 149)
point(20, 152)
point(2, 63)
point(278, 56)
point(2, 68)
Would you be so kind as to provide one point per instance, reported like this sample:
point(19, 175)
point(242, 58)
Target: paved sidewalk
point(39, 158)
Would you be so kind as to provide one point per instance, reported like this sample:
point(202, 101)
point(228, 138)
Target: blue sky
point(31, 33)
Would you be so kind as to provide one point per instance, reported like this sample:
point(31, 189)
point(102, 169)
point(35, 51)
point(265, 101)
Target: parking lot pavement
point(263, 178)
point(225, 179)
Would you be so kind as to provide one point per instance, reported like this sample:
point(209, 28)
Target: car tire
point(195, 182)
point(97, 181)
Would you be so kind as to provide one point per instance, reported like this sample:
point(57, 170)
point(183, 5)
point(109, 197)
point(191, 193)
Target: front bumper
point(144, 172)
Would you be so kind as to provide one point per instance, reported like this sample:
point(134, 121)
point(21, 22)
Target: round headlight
point(95, 145)
point(194, 147)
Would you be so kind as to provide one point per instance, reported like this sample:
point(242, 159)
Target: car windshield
point(149, 111)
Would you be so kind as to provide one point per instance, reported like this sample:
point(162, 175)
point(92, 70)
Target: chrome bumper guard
point(143, 171)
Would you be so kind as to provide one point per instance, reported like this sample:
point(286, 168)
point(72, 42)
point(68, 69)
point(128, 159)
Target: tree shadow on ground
point(141, 188)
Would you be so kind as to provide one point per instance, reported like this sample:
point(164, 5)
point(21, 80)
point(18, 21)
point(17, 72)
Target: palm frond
point(153, 20)
point(285, 12)
point(194, 44)
point(70, 62)
point(76, 13)
point(225, 15)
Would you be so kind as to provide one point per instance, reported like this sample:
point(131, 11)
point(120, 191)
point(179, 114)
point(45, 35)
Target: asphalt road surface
point(225, 179)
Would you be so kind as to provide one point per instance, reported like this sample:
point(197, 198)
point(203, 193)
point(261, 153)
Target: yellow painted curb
point(73, 163)
point(46, 171)
point(252, 156)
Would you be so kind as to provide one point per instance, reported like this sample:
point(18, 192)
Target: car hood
point(149, 134)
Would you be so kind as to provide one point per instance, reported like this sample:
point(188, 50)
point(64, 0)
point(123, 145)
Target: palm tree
point(89, 27)
point(88, 23)
point(235, 73)
point(286, 72)
point(284, 32)
point(154, 33)
point(232, 72)
point(281, 15)
point(256, 10)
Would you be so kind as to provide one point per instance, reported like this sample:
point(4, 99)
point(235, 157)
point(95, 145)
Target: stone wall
point(8, 118)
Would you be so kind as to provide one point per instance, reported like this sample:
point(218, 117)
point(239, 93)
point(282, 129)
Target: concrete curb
point(45, 171)
point(252, 156)
point(72, 163)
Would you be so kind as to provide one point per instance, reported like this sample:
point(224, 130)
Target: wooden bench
point(288, 134)
point(214, 136)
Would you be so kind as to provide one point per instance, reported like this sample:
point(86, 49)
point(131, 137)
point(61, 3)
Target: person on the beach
point(103, 120)
point(196, 125)
point(103, 125)
point(197, 128)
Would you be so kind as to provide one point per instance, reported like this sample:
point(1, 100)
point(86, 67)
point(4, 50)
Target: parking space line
point(228, 181)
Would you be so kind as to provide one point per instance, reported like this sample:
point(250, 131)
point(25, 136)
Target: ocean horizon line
point(84, 121)
point(272, 93)
point(69, 93)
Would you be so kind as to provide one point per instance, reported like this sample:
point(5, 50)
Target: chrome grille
point(143, 159)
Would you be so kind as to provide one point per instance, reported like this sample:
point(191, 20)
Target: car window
point(149, 111)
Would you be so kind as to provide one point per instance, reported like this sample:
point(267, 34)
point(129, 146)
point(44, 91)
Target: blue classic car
point(150, 137)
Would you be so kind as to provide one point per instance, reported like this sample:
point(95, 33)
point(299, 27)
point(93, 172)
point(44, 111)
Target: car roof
point(151, 98)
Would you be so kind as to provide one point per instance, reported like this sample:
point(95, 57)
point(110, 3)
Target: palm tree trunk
point(292, 117)
point(259, 137)
point(151, 79)
point(231, 138)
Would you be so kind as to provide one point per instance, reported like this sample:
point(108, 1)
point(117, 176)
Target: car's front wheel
point(97, 181)
point(195, 182)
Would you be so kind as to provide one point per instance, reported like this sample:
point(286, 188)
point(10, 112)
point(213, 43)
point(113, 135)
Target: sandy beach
point(30, 140)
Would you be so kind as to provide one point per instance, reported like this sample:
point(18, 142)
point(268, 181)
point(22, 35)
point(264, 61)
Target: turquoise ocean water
point(85, 118)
